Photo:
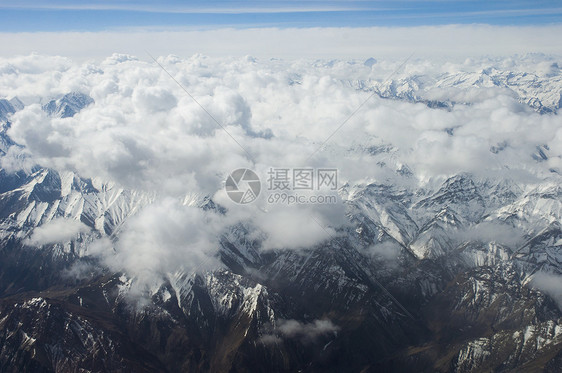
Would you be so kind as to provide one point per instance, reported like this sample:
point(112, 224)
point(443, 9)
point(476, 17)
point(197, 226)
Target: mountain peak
point(68, 105)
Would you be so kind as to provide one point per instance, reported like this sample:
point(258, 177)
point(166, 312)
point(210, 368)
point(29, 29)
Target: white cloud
point(143, 132)
point(485, 232)
point(306, 332)
point(388, 251)
point(164, 238)
point(294, 328)
point(56, 231)
point(143, 122)
point(550, 284)
point(425, 41)
point(153, 99)
point(292, 229)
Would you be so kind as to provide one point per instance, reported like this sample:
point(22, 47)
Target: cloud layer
point(144, 132)
point(425, 41)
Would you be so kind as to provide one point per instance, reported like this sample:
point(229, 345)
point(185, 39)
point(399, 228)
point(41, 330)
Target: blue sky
point(65, 15)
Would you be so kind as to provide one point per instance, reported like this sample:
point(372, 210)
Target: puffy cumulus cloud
point(163, 238)
point(33, 64)
point(305, 332)
point(134, 135)
point(550, 284)
point(293, 228)
point(282, 222)
point(56, 231)
point(153, 99)
point(32, 76)
point(145, 132)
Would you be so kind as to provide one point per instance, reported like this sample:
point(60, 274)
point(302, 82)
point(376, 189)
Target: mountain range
point(460, 275)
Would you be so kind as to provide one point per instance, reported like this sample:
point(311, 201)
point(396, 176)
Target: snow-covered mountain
point(460, 274)
point(540, 89)
point(68, 105)
point(440, 287)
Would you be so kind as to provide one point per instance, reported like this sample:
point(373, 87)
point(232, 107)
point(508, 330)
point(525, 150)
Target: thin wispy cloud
point(211, 7)
point(496, 13)
point(103, 15)
point(186, 10)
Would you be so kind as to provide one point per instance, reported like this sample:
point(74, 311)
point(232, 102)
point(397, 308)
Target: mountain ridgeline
point(459, 276)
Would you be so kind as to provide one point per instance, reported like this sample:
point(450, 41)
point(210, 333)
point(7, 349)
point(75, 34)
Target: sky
point(102, 15)
point(93, 30)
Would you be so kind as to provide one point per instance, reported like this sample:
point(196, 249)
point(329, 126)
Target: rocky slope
point(435, 279)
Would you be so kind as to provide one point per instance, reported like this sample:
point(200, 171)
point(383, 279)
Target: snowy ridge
point(441, 273)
